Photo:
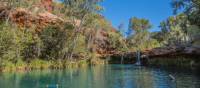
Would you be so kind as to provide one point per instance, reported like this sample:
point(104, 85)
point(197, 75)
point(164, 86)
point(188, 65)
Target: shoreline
point(42, 64)
point(178, 62)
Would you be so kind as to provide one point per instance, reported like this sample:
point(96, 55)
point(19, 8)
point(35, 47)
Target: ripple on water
point(109, 76)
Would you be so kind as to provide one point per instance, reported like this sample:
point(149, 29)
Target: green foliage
point(20, 64)
point(11, 43)
point(142, 41)
point(7, 65)
point(39, 64)
point(54, 42)
point(74, 44)
point(17, 44)
point(141, 38)
point(194, 33)
point(183, 28)
point(138, 24)
point(54, 45)
point(117, 41)
point(7, 44)
point(191, 9)
point(191, 22)
point(174, 31)
point(81, 46)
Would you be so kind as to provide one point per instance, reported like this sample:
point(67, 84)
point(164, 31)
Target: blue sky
point(120, 11)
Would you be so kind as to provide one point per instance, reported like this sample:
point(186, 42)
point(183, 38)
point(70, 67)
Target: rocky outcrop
point(192, 52)
point(24, 18)
point(173, 51)
point(103, 44)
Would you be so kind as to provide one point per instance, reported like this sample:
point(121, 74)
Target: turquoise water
point(109, 76)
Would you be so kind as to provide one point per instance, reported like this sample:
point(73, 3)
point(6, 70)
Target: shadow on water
point(108, 76)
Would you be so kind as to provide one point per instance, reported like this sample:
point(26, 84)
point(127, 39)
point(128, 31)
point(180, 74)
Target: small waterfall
point(138, 62)
point(122, 59)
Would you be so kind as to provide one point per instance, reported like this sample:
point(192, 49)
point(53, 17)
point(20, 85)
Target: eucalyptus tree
point(138, 24)
point(78, 12)
point(190, 7)
point(175, 29)
point(123, 42)
point(92, 28)
point(141, 35)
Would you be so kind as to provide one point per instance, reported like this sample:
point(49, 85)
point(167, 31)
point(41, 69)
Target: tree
point(121, 29)
point(191, 9)
point(174, 30)
point(137, 24)
point(141, 37)
point(78, 12)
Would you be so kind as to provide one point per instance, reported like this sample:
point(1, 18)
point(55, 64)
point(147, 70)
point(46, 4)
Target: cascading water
point(138, 62)
point(122, 59)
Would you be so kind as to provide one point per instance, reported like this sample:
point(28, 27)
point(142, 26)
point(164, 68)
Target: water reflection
point(110, 76)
